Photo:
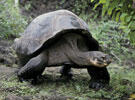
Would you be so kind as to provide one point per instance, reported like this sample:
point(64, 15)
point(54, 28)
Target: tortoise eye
point(103, 57)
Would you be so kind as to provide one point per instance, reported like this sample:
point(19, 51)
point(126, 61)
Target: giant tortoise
point(60, 38)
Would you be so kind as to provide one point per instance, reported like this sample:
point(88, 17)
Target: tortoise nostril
point(109, 61)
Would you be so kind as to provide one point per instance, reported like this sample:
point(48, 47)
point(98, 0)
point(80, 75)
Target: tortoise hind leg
point(66, 71)
point(33, 69)
point(99, 77)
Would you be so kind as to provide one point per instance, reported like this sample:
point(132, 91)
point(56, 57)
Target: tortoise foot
point(38, 80)
point(20, 79)
point(98, 84)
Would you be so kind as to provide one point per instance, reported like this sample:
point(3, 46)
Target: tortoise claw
point(96, 84)
point(20, 79)
point(38, 80)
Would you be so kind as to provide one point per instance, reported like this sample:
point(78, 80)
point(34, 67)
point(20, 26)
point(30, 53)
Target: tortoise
point(60, 38)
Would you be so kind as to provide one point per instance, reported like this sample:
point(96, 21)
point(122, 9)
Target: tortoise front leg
point(99, 77)
point(33, 69)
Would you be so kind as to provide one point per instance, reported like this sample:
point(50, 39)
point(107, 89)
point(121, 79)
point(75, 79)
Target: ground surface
point(53, 87)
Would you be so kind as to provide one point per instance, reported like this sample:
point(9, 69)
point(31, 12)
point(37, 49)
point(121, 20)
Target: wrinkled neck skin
point(83, 58)
point(77, 56)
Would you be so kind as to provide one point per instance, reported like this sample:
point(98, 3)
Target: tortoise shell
point(47, 27)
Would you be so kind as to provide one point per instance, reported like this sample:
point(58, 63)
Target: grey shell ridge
point(47, 27)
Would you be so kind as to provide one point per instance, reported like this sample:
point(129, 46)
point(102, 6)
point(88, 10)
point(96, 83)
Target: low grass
point(122, 85)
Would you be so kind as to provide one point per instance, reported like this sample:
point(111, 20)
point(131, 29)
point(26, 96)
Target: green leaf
point(120, 5)
point(117, 16)
point(123, 16)
point(102, 1)
point(132, 13)
point(117, 9)
point(113, 16)
point(128, 19)
point(122, 27)
point(132, 37)
point(92, 0)
point(110, 10)
point(133, 17)
point(96, 5)
point(131, 25)
point(104, 9)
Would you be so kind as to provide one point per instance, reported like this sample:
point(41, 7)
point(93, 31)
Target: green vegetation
point(11, 22)
point(121, 10)
point(12, 85)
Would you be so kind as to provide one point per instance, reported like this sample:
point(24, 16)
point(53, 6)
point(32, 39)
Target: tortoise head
point(99, 59)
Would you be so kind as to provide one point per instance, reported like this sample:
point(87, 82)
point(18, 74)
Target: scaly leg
point(34, 68)
point(99, 77)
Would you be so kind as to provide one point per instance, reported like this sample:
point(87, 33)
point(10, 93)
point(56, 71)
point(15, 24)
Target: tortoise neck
point(75, 54)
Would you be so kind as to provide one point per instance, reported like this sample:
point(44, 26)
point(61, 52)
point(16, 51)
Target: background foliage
point(11, 22)
point(121, 10)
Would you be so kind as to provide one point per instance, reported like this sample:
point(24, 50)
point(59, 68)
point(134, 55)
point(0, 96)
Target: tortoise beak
point(97, 64)
point(104, 62)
